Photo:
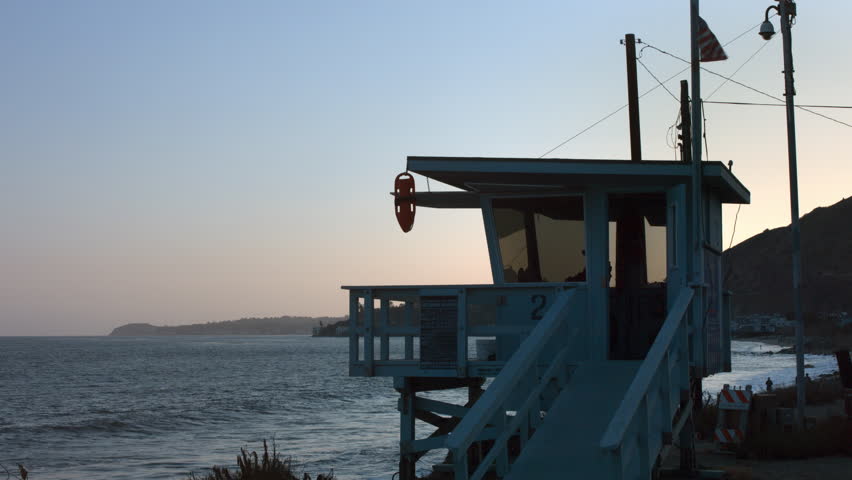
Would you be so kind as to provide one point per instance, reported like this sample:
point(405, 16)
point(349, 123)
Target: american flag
point(711, 49)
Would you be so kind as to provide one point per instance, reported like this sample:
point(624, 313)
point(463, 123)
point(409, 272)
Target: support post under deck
point(407, 460)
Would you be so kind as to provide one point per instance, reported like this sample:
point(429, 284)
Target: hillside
point(758, 270)
point(246, 326)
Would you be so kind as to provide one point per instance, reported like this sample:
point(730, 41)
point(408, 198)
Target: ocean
point(159, 407)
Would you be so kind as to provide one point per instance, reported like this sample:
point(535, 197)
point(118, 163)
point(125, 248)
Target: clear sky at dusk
point(179, 162)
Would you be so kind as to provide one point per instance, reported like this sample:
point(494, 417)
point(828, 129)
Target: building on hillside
point(841, 319)
point(760, 323)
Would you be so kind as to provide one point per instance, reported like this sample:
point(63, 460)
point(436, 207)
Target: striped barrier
point(735, 399)
point(729, 435)
point(733, 410)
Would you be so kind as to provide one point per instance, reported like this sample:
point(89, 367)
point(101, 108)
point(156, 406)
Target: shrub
point(824, 439)
point(818, 391)
point(253, 467)
point(22, 472)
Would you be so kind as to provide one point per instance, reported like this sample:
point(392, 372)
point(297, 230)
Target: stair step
point(566, 443)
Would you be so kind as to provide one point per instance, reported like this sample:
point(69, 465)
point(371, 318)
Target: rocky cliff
point(758, 270)
point(246, 326)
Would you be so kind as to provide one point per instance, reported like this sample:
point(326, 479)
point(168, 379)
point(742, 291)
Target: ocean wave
point(744, 346)
point(89, 426)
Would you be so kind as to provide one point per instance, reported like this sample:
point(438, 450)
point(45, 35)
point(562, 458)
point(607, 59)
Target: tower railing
point(491, 408)
point(388, 327)
point(646, 419)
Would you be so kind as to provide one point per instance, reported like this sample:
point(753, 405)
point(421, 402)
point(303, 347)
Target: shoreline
point(813, 345)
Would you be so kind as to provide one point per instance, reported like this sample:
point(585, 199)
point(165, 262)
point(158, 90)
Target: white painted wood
point(639, 387)
point(519, 365)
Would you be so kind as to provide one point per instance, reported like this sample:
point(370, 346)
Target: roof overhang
point(500, 175)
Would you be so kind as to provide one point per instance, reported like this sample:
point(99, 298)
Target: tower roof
point(493, 175)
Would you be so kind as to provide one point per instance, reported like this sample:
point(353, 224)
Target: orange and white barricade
point(732, 420)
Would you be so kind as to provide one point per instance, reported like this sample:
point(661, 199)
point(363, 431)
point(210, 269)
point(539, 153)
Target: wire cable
point(750, 87)
point(734, 231)
point(780, 100)
point(671, 132)
point(609, 115)
point(757, 104)
point(640, 96)
point(658, 80)
point(762, 46)
point(745, 32)
point(582, 131)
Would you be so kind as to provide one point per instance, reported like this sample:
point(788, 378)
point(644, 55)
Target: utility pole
point(685, 124)
point(787, 10)
point(630, 231)
point(633, 98)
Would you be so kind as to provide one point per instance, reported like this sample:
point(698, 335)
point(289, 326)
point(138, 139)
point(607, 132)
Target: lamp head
point(767, 31)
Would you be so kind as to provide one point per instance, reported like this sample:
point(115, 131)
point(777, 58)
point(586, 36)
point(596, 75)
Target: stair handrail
point(513, 372)
point(522, 414)
point(622, 418)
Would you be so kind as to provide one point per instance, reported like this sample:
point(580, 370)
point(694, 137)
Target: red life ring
point(404, 205)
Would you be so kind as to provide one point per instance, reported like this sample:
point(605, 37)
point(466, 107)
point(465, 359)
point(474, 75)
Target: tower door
point(638, 262)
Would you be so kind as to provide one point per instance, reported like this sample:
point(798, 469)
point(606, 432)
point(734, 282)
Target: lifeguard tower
point(606, 311)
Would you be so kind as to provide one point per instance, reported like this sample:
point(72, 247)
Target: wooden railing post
point(368, 332)
point(409, 322)
point(666, 394)
point(461, 332)
point(406, 431)
point(384, 348)
point(353, 328)
point(644, 440)
point(503, 456)
point(460, 463)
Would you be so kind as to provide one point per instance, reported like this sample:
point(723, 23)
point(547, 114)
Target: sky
point(181, 162)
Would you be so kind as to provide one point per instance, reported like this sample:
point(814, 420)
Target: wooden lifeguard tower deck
point(606, 311)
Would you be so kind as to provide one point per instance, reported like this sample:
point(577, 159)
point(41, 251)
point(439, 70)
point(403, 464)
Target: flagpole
point(697, 229)
point(696, 136)
point(696, 280)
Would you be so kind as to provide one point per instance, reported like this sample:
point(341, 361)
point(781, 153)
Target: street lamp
point(787, 11)
point(767, 31)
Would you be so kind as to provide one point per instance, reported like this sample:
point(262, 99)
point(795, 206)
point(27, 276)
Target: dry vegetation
point(824, 439)
point(21, 475)
point(251, 466)
point(254, 467)
point(828, 437)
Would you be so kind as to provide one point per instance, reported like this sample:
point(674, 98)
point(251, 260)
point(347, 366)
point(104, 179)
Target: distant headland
point(285, 325)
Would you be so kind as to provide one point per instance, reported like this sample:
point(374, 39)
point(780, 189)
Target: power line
point(745, 32)
point(756, 104)
point(658, 80)
point(583, 131)
point(659, 84)
point(736, 217)
point(609, 115)
point(671, 132)
point(778, 99)
point(762, 46)
point(800, 107)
